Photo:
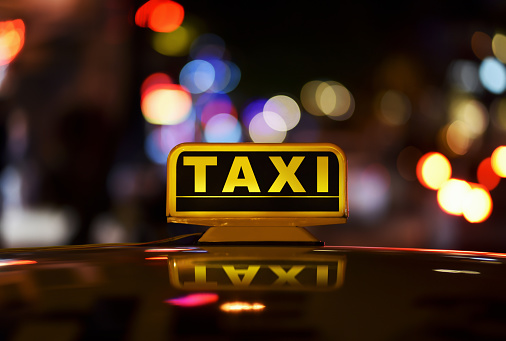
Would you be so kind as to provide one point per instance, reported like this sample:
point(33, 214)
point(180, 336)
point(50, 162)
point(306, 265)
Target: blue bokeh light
point(235, 77)
point(223, 128)
point(197, 76)
point(251, 110)
point(493, 75)
point(162, 139)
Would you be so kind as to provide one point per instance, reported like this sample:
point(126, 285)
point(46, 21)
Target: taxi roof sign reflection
point(247, 184)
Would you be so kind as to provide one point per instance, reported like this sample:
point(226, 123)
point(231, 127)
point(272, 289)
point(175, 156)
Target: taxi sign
point(249, 184)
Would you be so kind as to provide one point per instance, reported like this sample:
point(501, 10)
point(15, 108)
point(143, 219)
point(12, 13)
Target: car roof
point(307, 292)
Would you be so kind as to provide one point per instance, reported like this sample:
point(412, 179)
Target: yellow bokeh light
point(477, 205)
point(457, 137)
point(309, 99)
point(335, 100)
point(451, 196)
point(499, 47)
point(472, 113)
point(238, 307)
point(499, 161)
point(166, 106)
point(176, 43)
point(394, 108)
point(327, 98)
point(433, 169)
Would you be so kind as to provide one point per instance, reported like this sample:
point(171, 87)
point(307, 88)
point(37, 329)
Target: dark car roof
point(156, 291)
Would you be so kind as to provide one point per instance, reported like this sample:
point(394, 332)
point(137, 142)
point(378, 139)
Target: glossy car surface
point(177, 289)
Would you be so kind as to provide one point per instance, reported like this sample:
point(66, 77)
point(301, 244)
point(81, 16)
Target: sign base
point(259, 235)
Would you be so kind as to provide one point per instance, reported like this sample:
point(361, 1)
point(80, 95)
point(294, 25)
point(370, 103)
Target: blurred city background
point(95, 93)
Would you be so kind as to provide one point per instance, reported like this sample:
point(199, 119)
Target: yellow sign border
point(241, 217)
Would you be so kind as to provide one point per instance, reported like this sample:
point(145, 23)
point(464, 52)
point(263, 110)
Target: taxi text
point(241, 164)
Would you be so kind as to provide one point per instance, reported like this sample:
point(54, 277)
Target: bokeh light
point(457, 137)
point(371, 191)
point(481, 43)
point(160, 15)
point(261, 132)
point(394, 108)
point(223, 128)
point(465, 75)
point(327, 98)
point(335, 100)
point(253, 108)
point(499, 47)
point(162, 139)
point(486, 175)
point(227, 75)
point(498, 161)
point(193, 299)
point(171, 104)
point(176, 43)
point(451, 196)
point(157, 80)
point(433, 169)
point(239, 307)
point(477, 205)
point(473, 114)
point(309, 98)
point(281, 113)
point(197, 76)
point(493, 75)
point(210, 105)
point(12, 39)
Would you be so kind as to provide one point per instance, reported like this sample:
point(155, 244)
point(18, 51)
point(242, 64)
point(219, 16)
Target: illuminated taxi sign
point(215, 184)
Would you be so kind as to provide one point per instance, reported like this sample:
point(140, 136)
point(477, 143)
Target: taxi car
point(255, 273)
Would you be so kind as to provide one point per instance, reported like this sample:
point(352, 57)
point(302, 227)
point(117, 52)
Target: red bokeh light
point(12, 39)
point(155, 81)
point(193, 300)
point(486, 175)
point(160, 15)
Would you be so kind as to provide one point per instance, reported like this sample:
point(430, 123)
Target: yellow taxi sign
point(248, 184)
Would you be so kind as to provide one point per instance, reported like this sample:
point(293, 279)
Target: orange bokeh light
point(477, 205)
point(451, 196)
point(12, 39)
point(160, 15)
point(433, 169)
point(458, 197)
point(481, 43)
point(237, 307)
point(486, 175)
